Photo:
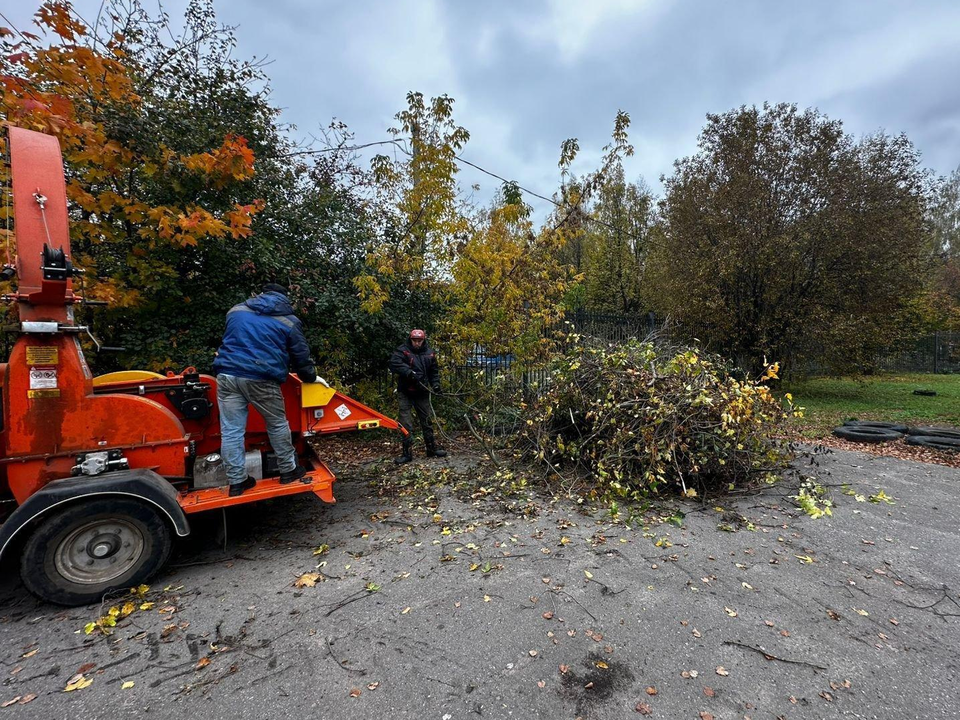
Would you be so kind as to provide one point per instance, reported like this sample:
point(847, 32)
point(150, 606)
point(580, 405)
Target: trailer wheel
point(92, 547)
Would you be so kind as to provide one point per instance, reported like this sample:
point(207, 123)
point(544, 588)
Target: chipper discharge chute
point(104, 471)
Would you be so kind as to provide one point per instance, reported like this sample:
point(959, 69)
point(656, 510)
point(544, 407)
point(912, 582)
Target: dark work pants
point(420, 403)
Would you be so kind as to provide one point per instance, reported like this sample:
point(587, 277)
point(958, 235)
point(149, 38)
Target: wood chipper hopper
point(103, 472)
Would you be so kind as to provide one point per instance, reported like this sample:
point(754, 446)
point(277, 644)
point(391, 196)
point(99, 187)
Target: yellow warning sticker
point(42, 355)
point(43, 394)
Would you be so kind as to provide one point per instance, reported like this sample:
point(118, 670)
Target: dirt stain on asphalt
point(601, 680)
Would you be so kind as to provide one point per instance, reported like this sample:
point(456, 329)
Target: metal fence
point(486, 367)
point(936, 353)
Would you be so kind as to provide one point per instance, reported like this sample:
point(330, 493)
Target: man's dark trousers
point(420, 403)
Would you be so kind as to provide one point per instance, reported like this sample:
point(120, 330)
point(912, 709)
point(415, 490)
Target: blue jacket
point(263, 340)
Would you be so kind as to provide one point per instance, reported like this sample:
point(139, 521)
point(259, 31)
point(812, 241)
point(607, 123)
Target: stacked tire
point(935, 438)
point(868, 431)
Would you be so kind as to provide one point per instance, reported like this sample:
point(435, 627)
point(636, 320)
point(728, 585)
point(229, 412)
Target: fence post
point(936, 352)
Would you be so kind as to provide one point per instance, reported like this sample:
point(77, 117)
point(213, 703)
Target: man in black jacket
point(415, 366)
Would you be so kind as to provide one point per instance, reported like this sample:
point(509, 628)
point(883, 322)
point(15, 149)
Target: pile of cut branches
point(637, 418)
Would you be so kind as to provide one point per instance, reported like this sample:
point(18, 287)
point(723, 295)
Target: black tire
point(92, 547)
point(862, 434)
point(935, 432)
point(876, 424)
point(947, 444)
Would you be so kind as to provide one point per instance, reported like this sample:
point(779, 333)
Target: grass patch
point(830, 401)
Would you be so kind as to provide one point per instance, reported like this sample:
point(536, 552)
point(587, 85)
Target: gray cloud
point(527, 75)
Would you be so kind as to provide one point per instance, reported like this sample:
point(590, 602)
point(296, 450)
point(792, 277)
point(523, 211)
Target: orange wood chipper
point(103, 472)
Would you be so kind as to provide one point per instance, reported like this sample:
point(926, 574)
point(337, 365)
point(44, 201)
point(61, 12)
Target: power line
point(464, 161)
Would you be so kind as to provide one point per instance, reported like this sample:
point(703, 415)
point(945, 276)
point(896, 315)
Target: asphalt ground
point(453, 604)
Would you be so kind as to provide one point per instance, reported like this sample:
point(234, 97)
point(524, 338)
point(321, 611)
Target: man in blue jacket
point(263, 340)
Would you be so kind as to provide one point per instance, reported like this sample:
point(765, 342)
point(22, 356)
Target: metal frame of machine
point(104, 471)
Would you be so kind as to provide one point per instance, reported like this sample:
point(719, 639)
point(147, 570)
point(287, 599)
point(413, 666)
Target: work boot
point(434, 451)
point(239, 488)
point(407, 455)
point(298, 473)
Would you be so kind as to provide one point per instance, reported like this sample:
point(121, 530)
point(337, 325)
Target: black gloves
point(307, 374)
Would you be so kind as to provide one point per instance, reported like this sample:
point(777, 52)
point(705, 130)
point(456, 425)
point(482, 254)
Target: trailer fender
point(140, 483)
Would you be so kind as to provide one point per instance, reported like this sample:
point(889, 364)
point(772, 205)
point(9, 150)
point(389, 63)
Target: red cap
point(418, 335)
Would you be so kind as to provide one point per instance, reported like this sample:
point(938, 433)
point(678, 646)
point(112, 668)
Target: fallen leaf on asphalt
point(588, 574)
point(602, 665)
point(826, 696)
point(730, 612)
point(85, 668)
point(147, 606)
point(78, 682)
point(709, 691)
point(202, 663)
point(563, 669)
point(785, 633)
point(805, 559)
point(862, 612)
point(833, 614)
point(894, 621)
point(31, 653)
point(706, 716)
point(768, 623)
point(405, 610)
point(355, 693)
point(651, 691)
point(8, 703)
point(28, 698)
point(127, 685)
point(589, 685)
point(541, 684)
point(533, 653)
point(486, 598)
point(307, 580)
point(373, 686)
point(643, 708)
point(547, 615)
point(721, 670)
point(685, 674)
point(696, 633)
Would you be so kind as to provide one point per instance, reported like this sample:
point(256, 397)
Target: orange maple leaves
point(68, 87)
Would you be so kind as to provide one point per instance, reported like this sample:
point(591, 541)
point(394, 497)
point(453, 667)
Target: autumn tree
point(616, 245)
point(784, 237)
point(158, 175)
point(417, 206)
point(573, 219)
point(940, 305)
point(508, 284)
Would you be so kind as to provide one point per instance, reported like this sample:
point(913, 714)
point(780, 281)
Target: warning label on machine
point(43, 378)
point(343, 412)
point(42, 355)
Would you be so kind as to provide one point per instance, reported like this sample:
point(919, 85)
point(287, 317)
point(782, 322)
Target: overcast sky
point(528, 74)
